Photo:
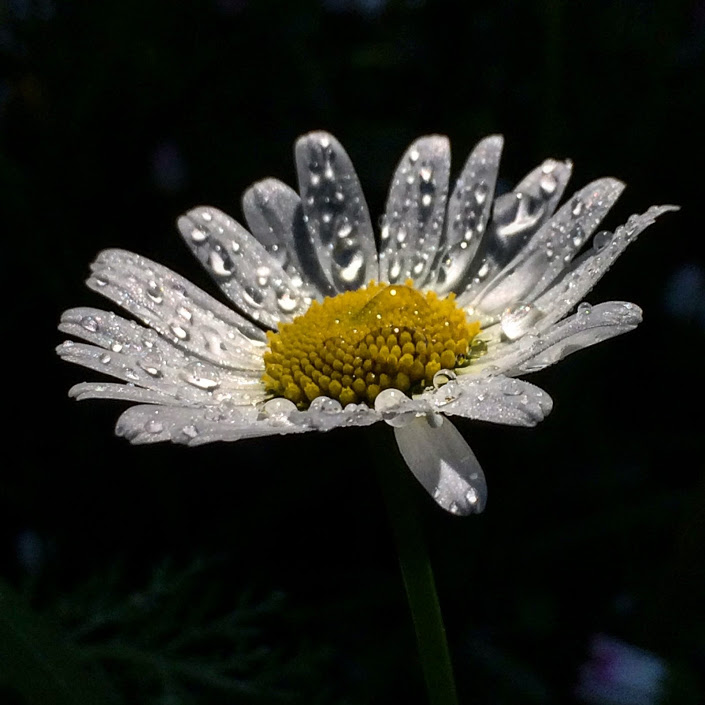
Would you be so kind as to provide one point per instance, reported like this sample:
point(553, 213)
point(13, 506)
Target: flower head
point(463, 293)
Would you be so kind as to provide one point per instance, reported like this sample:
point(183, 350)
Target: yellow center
point(353, 345)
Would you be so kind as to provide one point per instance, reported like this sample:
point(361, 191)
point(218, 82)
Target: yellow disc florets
point(353, 345)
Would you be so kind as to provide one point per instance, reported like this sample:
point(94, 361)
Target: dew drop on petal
point(279, 407)
point(519, 319)
point(584, 309)
point(153, 426)
point(442, 377)
point(326, 405)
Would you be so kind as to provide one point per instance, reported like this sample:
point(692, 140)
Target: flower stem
point(401, 497)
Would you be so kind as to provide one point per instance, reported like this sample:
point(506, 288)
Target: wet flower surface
point(462, 293)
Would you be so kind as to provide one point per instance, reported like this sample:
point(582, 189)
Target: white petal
point(120, 392)
point(549, 250)
point(516, 216)
point(415, 212)
point(588, 269)
point(495, 398)
point(248, 275)
point(469, 208)
point(179, 311)
point(191, 382)
point(335, 212)
point(196, 426)
point(444, 464)
point(273, 214)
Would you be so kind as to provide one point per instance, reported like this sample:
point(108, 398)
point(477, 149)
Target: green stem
point(401, 496)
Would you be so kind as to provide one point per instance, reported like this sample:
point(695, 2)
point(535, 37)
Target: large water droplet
point(278, 408)
point(516, 213)
point(220, 262)
point(442, 377)
point(326, 405)
point(89, 323)
point(154, 291)
point(390, 403)
point(601, 240)
point(519, 319)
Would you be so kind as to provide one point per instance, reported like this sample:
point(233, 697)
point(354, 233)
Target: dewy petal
point(469, 210)
point(590, 325)
point(443, 462)
point(190, 381)
point(516, 216)
point(495, 398)
point(588, 269)
point(549, 250)
point(483, 397)
point(118, 335)
point(197, 426)
point(273, 213)
point(251, 278)
point(178, 310)
point(415, 213)
point(120, 392)
point(335, 212)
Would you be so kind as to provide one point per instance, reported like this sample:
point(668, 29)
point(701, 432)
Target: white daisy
point(464, 292)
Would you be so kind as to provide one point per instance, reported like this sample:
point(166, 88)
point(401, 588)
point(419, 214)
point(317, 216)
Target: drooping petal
point(415, 213)
point(274, 215)
point(549, 250)
point(443, 462)
point(335, 212)
point(469, 209)
point(248, 275)
point(178, 310)
point(588, 269)
point(516, 216)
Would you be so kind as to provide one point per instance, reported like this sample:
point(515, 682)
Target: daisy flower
point(463, 292)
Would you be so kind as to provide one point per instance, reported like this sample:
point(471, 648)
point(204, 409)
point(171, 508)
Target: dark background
point(115, 117)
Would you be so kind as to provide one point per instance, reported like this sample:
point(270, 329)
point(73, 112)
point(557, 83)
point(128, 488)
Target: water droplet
point(154, 291)
point(105, 359)
point(584, 309)
point(480, 192)
point(200, 382)
point(89, 323)
point(519, 319)
point(207, 216)
point(548, 183)
point(184, 313)
point(198, 235)
point(401, 235)
point(220, 262)
point(100, 282)
point(149, 367)
point(253, 295)
point(601, 240)
point(190, 431)
point(262, 274)
point(153, 426)
point(512, 388)
point(116, 347)
point(472, 496)
point(278, 408)
point(326, 405)
point(390, 403)
point(426, 200)
point(179, 331)
point(576, 207)
point(442, 377)
point(414, 156)
point(131, 374)
point(286, 302)
point(516, 213)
